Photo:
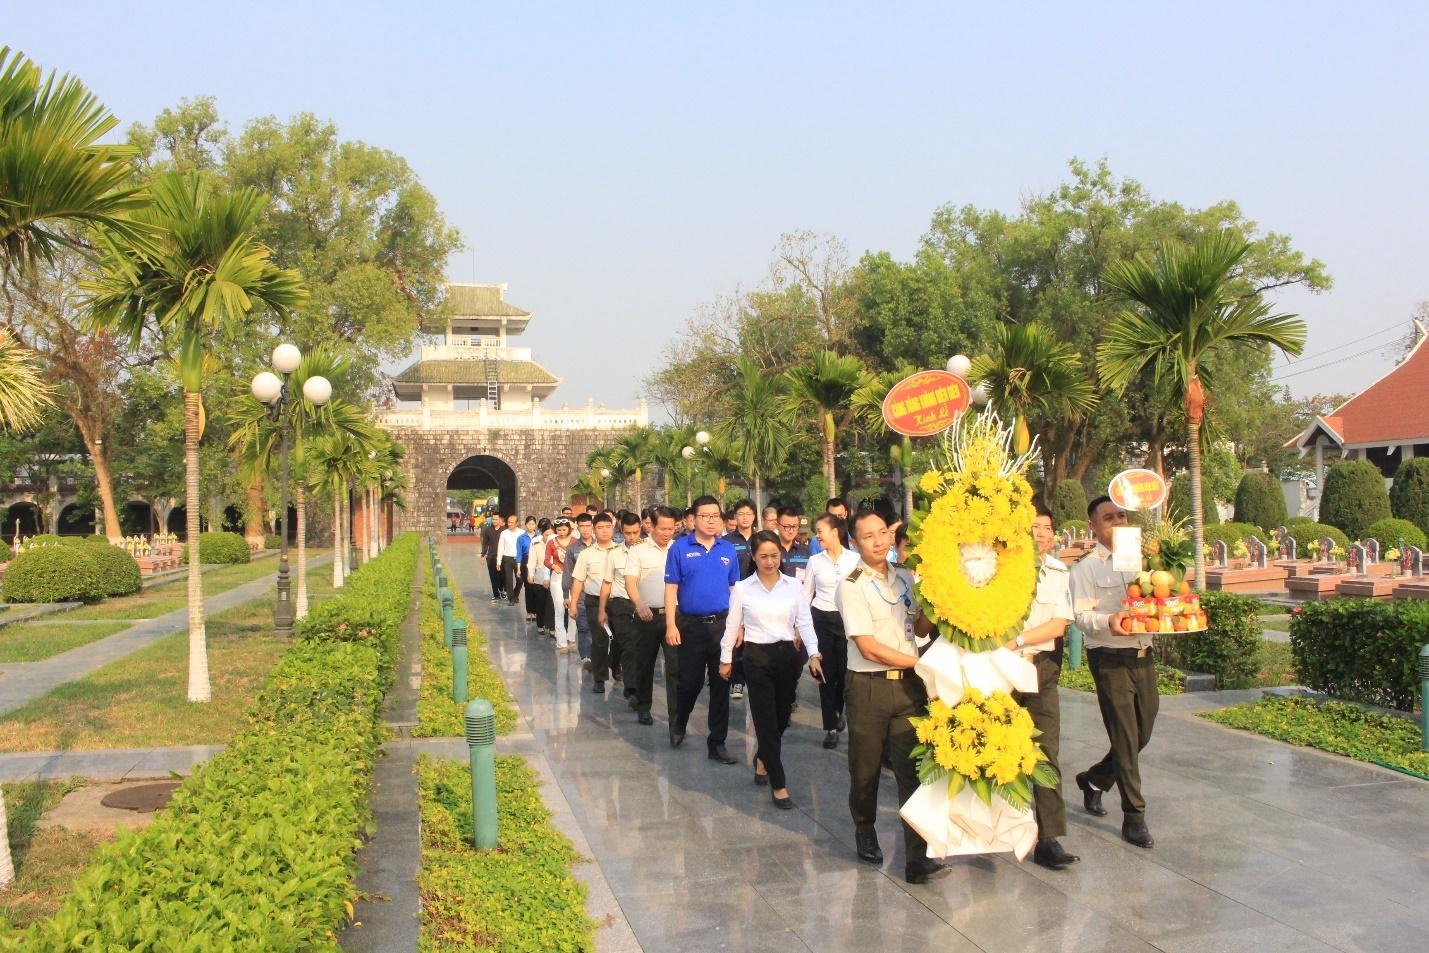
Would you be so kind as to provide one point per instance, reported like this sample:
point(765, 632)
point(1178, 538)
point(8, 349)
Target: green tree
point(823, 389)
point(1259, 501)
point(634, 451)
point(1354, 497)
point(1069, 502)
point(756, 426)
point(1030, 375)
point(205, 270)
point(1409, 496)
point(1184, 306)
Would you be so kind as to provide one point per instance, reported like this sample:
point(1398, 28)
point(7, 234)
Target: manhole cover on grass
point(144, 798)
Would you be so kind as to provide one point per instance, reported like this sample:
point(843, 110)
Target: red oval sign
point(1138, 489)
point(926, 403)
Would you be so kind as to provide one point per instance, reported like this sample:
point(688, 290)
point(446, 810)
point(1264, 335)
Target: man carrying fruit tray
point(1122, 667)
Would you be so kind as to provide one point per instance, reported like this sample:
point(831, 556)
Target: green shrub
point(1232, 533)
point(1360, 650)
point(1333, 726)
point(1178, 501)
point(220, 548)
point(437, 714)
point(1069, 502)
point(1390, 531)
point(1409, 496)
point(1307, 536)
point(272, 541)
point(118, 572)
point(94, 538)
point(1354, 497)
point(1297, 521)
point(54, 574)
point(1259, 501)
point(1229, 648)
point(1076, 526)
point(255, 852)
point(45, 539)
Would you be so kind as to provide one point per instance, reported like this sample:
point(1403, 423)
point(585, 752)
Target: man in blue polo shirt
point(700, 570)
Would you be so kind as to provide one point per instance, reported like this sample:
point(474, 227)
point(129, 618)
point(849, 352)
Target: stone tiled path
point(1259, 846)
point(23, 682)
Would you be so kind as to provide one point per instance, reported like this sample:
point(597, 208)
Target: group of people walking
point(743, 613)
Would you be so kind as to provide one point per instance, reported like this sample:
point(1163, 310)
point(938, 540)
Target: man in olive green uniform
point(1124, 672)
point(1040, 642)
point(882, 623)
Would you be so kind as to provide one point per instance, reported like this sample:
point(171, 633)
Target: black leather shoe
point(1133, 831)
point(616, 674)
point(785, 803)
point(677, 736)
point(598, 688)
point(920, 872)
point(1091, 797)
point(644, 718)
point(868, 850)
point(1050, 854)
point(842, 724)
point(831, 740)
point(721, 754)
point(761, 780)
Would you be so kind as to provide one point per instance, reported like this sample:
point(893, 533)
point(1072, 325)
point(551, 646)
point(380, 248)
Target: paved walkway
point(23, 682)
point(1260, 846)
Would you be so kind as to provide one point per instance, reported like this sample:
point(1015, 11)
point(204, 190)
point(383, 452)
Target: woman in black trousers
point(771, 612)
point(828, 568)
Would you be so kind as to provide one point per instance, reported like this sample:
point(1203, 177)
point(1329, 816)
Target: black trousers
point(1128, 698)
point(878, 713)
point(493, 570)
point(699, 663)
point(1045, 707)
point(833, 656)
point(771, 673)
point(545, 607)
point(531, 598)
point(511, 574)
point(620, 613)
point(642, 646)
point(599, 640)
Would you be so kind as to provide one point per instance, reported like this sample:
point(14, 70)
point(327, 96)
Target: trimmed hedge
point(1361, 650)
point(1178, 501)
point(118, 571)
point(437, 715)
point(1390, 531)
point(272, 541)
point(1232, 533)
point(1354, 497)
point(1229, 649)
point(220, 548)
point(1307, 535)
point(93, 538)
point(1076, 526)
point(1409, 496)
point(1069, 502)
point(1259, 501)
point(255, 852)
point(55, 574)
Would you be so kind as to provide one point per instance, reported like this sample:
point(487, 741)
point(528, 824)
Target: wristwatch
point(1021, 642)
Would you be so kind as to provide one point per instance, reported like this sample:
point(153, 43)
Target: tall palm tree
point(1028, 372)
point(665, 454)
point(205, 270)
point(756, 426)
point(867, 404)
point(824, 388)
point(1185, 305)
point(333, 460)
point(53, 170)
point(588, 485)
point(634, 451)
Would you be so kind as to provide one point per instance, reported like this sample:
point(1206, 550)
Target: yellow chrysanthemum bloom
point(932, 482)
point(939, 711)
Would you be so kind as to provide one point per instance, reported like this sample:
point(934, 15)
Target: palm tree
point(756, 426)
point(1184, 306)
point(588, 485)
point(53, 170)
point(867, 403)
point(1029, 372)
point(665, 453)
point(333, 460)
point(634, 451)
point(205, 270)
point(824, 387)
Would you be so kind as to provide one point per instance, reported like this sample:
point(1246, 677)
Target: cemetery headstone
point(1255, 552)
point(1371, 551)
point(1411, 561)
point(1324, 545)
point(1287, 546)
point(1218, 553)
point(1355, 558)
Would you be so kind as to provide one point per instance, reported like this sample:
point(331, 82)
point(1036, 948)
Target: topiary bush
point(1390, 531)
point(220, 548)
point(272, 541)
point(54, 574)
point(1232, 533)
point(1259, 501)
point(1360, 649)
point(1178, 501)
point(118, 572)
point(45, 539)
point(93, 538)
point(1069, 502)
point(1354, 497)
point(1076, 526)
point(1307, 535)
point(1229, 648)
point(1409, 496)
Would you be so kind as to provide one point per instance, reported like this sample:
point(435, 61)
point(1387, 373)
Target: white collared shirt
point(1053, 601)
point(506, 545)
point(821, 581)
point(1097, 592)
point(768, 615)
point(645, 564)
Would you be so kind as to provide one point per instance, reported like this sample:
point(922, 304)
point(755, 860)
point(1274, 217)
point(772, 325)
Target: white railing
point(536, 418)
point(467, 352)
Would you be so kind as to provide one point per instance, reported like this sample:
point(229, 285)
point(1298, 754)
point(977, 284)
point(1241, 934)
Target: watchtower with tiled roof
point(475, 362)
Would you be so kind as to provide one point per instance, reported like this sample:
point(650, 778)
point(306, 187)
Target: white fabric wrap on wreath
point(962, 823)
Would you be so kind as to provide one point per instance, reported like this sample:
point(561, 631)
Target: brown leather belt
point(892, 674)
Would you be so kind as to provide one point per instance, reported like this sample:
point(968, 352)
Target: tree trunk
point(104, 483)
point(7, 865)
point(300, 601)
point(758, 495)
point(199, 689)
point(337, 573)
point(253, 519)
point(1198, 516)
point(376, 522)
point(831, 438)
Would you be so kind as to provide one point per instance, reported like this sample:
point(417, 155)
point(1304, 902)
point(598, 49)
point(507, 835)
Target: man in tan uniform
point(882, 622)
point(1124, 672)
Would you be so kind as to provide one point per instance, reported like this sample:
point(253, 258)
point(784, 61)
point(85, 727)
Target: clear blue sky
point(618, 165)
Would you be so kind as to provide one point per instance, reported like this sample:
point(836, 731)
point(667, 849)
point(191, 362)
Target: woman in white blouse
point(827, 568)
point(773, 611)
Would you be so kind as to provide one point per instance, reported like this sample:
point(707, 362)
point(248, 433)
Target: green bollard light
point(481, 743)
point(1074, 647)
point(1424, 697)
point(448, 623)
point(458, 661)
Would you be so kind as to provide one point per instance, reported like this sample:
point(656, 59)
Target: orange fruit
point(1161, 579)
point(1133, 591)
point(1185, 588)
point(1161, 592)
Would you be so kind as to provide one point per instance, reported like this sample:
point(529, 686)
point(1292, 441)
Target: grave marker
point(1218, 553)
point(1255, 551)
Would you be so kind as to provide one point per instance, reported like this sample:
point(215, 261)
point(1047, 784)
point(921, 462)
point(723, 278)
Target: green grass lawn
point(140, 701)
point(33, 641)
point(1276, 665)
point(46, 860)
point(1278, 625)
point(171, 595)
point(1168, 679)
point(1333, 726)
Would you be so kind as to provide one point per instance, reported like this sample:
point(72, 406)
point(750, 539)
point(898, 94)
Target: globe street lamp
point(605, 485)
point(273, 392)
